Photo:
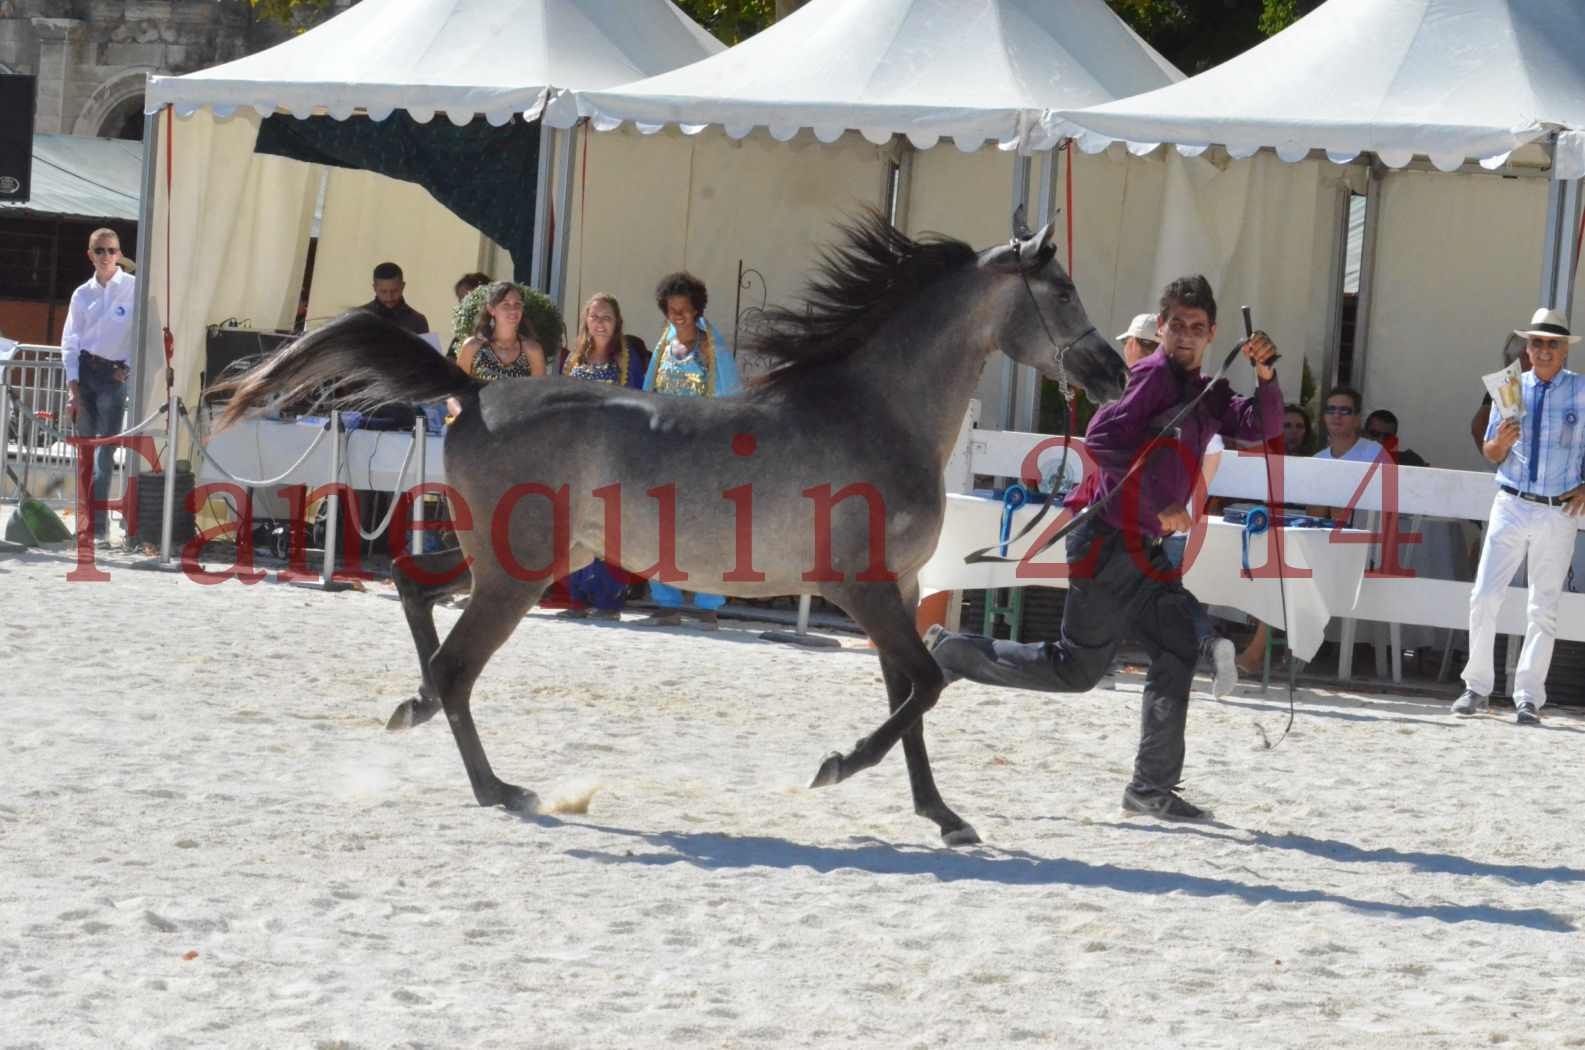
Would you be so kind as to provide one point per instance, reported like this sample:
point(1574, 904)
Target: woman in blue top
point(691, 359)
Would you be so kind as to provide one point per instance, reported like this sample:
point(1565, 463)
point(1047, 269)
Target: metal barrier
point(33, 424)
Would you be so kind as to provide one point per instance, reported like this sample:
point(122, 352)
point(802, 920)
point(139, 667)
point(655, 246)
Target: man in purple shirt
point(1120, 580)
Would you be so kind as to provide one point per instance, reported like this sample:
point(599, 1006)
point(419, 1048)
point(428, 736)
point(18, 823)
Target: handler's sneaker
point(1470, 702)
point(1525, 714)
point(1168, 805)
point(1224, 660)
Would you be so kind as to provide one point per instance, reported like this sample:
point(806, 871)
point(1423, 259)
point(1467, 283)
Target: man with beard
point(388, 301)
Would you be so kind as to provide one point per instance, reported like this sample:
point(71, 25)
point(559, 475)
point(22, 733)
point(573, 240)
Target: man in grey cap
point(1140, 341)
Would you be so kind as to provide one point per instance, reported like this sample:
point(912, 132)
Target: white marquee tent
point(237, 219)
point(971, 70)
point(1470, 86)
point(979, 71)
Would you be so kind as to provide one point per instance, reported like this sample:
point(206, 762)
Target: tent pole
point(327, 568)
point(1557, 254)
point(143, 367)
point(1026, 412)
point(1014, 375)
point(538, 265)
point(1367, 277)
point(566, 159)
point(168, 502)
point(1334, 321)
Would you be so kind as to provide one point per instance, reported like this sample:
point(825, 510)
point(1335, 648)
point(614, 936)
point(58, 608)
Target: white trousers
point(1519, 529)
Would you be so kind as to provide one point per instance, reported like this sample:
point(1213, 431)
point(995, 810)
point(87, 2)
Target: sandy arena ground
point(208, 840)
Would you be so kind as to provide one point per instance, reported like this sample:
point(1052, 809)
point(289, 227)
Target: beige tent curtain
point(238, 237)
point(1456, 269)
point(652, 204)
point(370, 219)
point(1261, 231)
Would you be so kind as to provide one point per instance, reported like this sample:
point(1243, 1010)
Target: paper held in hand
point(1505, 390)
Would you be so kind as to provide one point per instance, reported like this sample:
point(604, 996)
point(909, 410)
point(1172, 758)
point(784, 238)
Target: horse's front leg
point(913, 684)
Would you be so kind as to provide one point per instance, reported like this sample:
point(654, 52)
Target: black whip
point(1276, 534)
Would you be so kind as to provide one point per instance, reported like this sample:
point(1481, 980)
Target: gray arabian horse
point(824, 477)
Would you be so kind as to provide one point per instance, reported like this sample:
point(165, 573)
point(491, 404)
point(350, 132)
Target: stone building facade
point(90, 56)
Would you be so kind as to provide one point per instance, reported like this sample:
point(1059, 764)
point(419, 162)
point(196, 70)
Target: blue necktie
point(1541, 388)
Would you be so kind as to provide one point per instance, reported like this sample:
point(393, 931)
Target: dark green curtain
point(485, 175)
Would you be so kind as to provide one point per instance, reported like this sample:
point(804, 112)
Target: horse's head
point(1046, 326)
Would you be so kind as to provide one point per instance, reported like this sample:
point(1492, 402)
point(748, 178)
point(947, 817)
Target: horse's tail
point(357, 361)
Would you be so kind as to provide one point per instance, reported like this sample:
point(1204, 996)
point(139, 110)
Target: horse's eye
point(1064, 298)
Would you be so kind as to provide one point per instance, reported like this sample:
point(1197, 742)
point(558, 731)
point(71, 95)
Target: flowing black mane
point(857, 285)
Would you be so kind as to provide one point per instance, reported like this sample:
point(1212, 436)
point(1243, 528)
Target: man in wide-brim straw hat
point(1540, 457)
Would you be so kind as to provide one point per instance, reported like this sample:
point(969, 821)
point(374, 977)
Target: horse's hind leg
point(421, 581)
point(913, 682)
point(492, 614)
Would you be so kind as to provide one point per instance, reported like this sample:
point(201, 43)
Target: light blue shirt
point(1557, 451)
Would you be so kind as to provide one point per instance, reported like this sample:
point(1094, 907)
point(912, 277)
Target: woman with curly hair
point(602, 354)
point(690, 360)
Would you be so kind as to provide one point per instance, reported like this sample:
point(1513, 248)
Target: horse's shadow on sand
point(716, 852)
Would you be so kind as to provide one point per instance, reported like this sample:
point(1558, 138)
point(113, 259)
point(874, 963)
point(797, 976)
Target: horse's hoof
point(410, 713)
point(518, 800)
point(964, 836)
point(830, 771)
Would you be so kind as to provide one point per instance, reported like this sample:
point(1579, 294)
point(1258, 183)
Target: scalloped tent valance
point(970, 70)
point(462, 58)
point(1450, 80)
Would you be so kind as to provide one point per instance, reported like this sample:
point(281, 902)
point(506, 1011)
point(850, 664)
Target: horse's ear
point(1021, 230)
point(1022, 254)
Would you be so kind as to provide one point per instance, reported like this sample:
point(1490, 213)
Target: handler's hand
point(1260, 350)
point(1175, 519)
point(1508, 434)
point(1574, 501)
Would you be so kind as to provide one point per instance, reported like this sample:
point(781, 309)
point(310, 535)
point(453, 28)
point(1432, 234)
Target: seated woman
point(1298, 439)
point(690, 360)
point(503, 344)
point(602, 354)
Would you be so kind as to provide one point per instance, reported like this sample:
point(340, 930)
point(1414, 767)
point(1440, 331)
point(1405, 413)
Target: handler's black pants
point(1112, 591)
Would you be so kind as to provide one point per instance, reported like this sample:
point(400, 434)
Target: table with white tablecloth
point(1323, 567)
point(370, 459)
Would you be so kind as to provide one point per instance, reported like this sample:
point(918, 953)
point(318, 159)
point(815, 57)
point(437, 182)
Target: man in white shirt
point(1342, 420)
point(1540, 468)
point(97, 345)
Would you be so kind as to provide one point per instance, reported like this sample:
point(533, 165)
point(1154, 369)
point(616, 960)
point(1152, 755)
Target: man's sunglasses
point(105, 251)
point(1339, 410)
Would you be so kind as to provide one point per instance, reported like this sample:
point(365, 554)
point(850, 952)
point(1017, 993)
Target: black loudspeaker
point(231, 351)
point(18, 97)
